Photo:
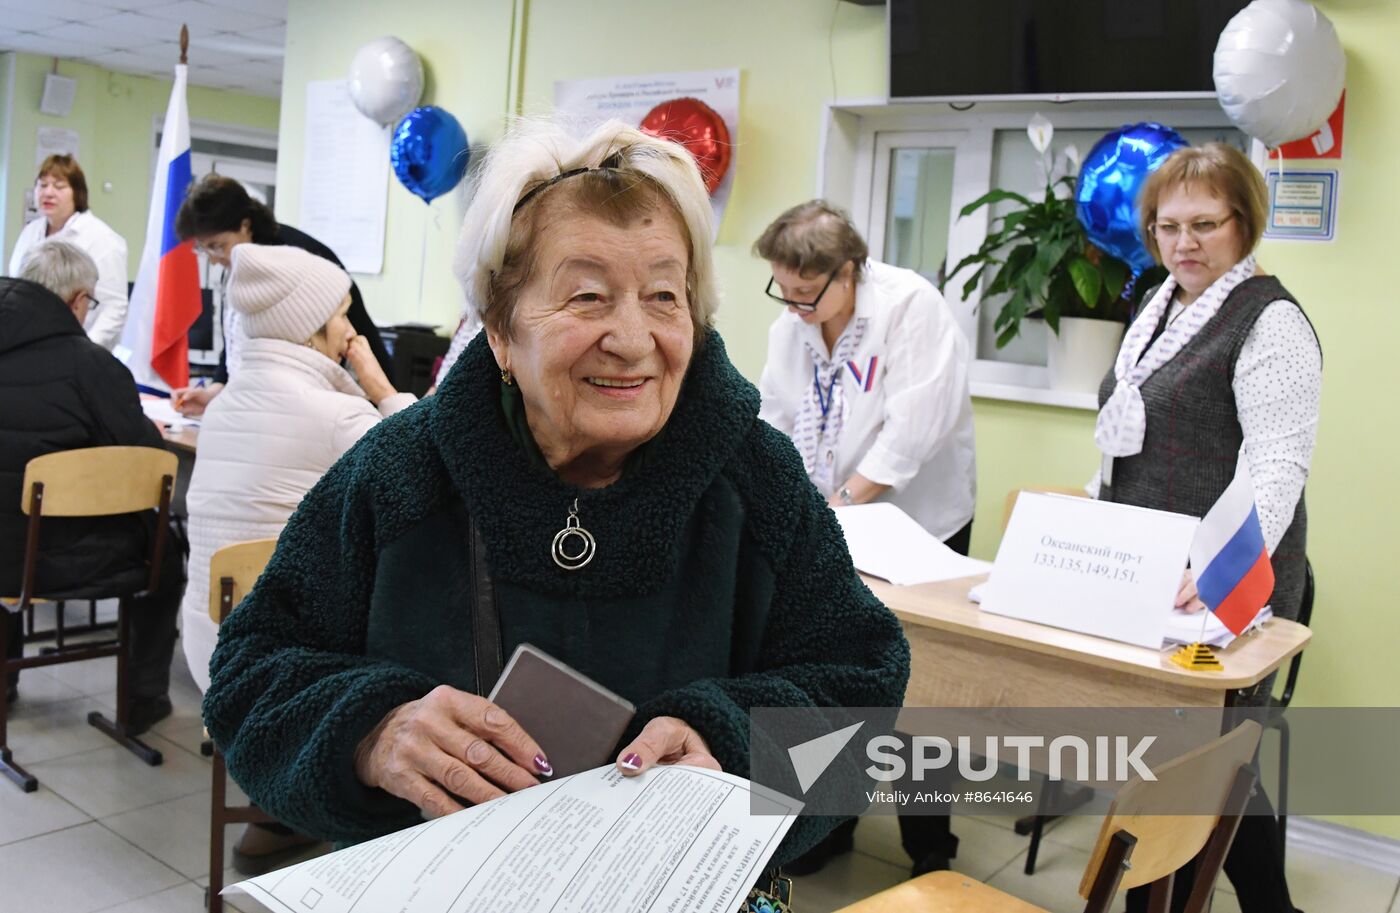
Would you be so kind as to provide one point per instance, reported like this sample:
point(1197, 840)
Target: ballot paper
point(674, 839)
point(886, 542)
point(159, 409)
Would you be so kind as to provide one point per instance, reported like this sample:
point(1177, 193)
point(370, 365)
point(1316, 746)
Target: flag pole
point(184, 44)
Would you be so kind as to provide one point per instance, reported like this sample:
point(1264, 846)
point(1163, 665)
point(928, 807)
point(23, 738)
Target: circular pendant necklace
point(573, 545)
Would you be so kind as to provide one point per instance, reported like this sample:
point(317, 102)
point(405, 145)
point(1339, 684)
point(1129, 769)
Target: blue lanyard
point(825, 404)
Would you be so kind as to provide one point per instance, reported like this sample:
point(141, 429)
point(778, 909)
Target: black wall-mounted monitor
point(1030, 49)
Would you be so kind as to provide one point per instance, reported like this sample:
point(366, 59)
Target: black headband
point(611, 163)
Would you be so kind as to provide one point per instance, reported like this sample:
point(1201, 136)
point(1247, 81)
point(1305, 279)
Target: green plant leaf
point(1063, 299)
point(971, 284)
point(1086, 278)
point(1115, 276)
point(1008, 334)
point(1010, 273)
point(993, 196)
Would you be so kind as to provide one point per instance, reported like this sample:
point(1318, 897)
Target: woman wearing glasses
point(1221, 359)
point(867, 373)
point(61, 195)
point(218, 215)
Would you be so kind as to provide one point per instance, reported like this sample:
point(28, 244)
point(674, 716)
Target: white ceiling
point(234, 44)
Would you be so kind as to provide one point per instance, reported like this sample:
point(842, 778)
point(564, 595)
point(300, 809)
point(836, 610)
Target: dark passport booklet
point(575, 720)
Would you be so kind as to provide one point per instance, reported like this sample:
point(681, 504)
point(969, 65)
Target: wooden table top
point(945, 606)
point(185, 439)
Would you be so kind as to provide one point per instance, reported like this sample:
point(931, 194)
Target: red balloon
point(697, 127)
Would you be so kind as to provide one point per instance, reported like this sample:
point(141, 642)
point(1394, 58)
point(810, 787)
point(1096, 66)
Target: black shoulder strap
point(486, 620)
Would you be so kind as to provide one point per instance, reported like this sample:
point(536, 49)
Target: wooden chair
point(1135, 847)
point(1015, 493)
point(89, 482)
point(232, 572)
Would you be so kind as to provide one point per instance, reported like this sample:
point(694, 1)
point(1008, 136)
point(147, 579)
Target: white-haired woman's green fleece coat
point(721, 583)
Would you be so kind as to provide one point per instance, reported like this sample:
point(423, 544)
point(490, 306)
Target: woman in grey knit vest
point(1220, 361)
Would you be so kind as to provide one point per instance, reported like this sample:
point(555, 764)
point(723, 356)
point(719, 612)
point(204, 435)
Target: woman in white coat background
point(284, 418)
point(867, 372)
point(61, 193)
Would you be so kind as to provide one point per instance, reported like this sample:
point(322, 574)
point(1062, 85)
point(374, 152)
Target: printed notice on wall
point(700, 110)
point(54, 141)
point(1302, 205)
point(345, 177)
point(675, 839)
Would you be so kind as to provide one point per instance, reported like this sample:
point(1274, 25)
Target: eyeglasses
point(211, 248)
point(1201, 229)
point(93, 303)
point(807, 306)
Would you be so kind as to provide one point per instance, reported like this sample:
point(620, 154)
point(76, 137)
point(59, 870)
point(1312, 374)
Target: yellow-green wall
point(113, 115)
point(785, 50)
point(465, 46)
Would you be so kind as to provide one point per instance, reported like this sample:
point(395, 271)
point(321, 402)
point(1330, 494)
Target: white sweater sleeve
point(1278, 387)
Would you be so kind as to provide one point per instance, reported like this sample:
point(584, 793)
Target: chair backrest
point(1015, 493)
point(98, 481)
point(1202, 778)
point(232, 572)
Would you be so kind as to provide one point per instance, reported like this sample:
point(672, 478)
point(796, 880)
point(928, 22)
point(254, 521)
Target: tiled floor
point(105, 832)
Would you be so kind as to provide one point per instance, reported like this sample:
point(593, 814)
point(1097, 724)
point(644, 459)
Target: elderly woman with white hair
point(694, 569)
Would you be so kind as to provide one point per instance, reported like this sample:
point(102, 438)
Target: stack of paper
point(1184, 628)
point(886, 542)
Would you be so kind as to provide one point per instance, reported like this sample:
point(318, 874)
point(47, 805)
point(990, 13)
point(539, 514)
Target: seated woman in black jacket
point(218, 215)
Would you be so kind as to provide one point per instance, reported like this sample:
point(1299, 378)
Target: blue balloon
point(429, 152)
point(1110, 181)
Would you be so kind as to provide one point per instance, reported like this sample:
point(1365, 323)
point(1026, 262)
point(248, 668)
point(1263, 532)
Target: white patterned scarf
point(1122, 421)
point(820, 417)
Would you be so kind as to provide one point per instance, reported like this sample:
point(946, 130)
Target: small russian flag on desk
point(1234, 576)
point(165, 300)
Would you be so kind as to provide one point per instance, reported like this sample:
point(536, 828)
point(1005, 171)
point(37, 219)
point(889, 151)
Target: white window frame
point(855, 146)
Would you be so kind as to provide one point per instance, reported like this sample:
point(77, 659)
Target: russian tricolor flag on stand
point(1234, 576)
point(165, 300)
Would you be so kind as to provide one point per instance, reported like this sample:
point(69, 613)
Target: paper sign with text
point(1091, 566)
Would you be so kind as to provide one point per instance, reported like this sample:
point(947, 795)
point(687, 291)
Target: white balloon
point(1279, 70)
point(386, 80)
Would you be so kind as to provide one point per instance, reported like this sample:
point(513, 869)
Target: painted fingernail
point(632, 761)
point(543, 766)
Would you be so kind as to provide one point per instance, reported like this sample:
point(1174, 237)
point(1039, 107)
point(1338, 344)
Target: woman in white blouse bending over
point(867, 373)
point(61, 194)
point(1220, 359)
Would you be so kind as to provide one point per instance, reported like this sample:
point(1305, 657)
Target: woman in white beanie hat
point(285, 417)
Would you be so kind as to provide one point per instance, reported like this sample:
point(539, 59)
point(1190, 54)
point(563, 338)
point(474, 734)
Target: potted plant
point(1040, 258)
